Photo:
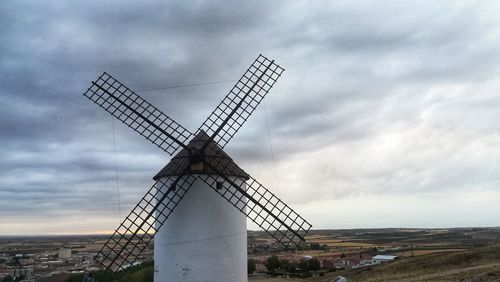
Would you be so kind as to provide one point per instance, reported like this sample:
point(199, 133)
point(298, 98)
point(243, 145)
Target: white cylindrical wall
point(204, 239)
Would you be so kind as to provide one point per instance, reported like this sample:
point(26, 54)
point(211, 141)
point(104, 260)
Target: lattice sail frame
point(228, 117)
point(134, 233)
point(262, 207)
point(241, 101)
point(135, 112)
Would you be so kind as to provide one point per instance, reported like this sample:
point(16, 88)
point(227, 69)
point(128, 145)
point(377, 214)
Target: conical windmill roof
point(214, 155)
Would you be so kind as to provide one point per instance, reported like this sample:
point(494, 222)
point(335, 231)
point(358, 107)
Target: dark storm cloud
point(56, 149)
point(353, 73)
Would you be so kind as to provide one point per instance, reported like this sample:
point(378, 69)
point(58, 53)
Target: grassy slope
point(483, 264)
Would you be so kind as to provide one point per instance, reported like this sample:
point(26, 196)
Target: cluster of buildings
point(47, 265)
point(334, 262)
point(353, 261)
point(39, 266)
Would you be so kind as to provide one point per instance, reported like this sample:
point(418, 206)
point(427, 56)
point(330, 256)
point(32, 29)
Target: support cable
point(116, 170)
point(187, 85)
point(271, 150)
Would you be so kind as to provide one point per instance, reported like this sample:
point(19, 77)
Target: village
point(39, 260)
point(52, 265)
point(57, 258)
point(346, 250)
point(49, 258)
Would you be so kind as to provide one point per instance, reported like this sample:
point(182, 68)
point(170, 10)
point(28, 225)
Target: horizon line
point(248, 230)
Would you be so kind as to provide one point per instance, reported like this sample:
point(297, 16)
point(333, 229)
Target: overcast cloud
point(388, 113)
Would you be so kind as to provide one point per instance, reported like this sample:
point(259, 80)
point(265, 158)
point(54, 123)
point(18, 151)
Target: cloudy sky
point(387, 115)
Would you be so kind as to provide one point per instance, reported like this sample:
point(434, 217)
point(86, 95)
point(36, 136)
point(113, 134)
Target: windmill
point(205, 238)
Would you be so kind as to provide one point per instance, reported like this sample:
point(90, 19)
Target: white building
point(339, 279)
point(383, 258)
point(27, 272)
point(64, 253)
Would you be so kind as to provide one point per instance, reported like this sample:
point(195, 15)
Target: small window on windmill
point(196, 162)
point(197, 166)
point(220, 184)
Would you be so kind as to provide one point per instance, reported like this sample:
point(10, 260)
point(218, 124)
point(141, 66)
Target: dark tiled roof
point(214, 155)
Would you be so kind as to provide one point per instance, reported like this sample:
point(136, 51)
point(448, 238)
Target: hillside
point(479, 264)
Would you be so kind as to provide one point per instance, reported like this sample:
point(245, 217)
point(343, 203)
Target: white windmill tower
point(205, 238)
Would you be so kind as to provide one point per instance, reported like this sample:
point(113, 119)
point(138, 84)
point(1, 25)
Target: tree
point(292, 267)
point(74, 278)
point(251, 266)
point(104, 276)
point(314, 264)
point(303, 265)
point(7, 278)
point(272, 263)
point(14, 262)
point(285, 264)
point(317, 246)
point(309, 264)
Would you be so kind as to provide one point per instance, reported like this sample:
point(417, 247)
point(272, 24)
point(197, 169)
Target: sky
point(387, 114)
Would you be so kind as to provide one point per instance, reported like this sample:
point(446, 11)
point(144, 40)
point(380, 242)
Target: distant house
point(339, 279)
point(383, 258)
point(327, 263)
point(26, 272)
point(64, 253)
point(366, 261)
point(345, 262)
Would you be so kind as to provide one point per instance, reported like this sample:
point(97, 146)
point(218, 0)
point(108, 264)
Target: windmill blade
point(137, 113)
point(261, 206)
point(241, 101)
point(134, 234)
